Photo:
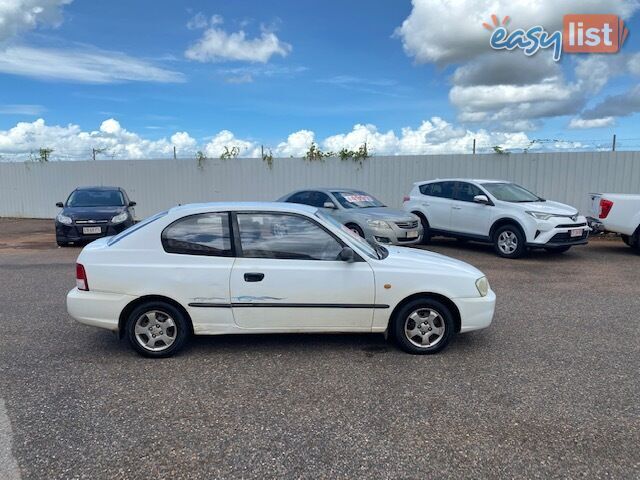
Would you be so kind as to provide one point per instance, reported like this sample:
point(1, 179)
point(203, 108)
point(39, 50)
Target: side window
point(203, 234)
point(467, 191)
point(284, 236)
point(426, 189)
point(441, 189)
point(318, 199)
point(301, 197)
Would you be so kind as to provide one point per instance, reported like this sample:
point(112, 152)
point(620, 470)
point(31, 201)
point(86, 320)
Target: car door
point(287, 277)
point(468, 216)
point(437, 198)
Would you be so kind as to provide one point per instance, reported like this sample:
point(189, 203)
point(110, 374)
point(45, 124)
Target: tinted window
point(272, 235)
point(318, 199)
point(466, 192)
point(96, 198)
point(300, 197)
point(204, 234)
point(438, 189)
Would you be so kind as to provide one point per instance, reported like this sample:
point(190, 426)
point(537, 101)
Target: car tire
point(355, 228)
point(157, 329)
point(509, 242)
point(426, 231)
point(626, 239)
point(558, 249)
point(420, 317)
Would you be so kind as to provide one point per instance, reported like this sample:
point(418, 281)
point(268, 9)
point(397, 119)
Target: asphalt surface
point(550, 390)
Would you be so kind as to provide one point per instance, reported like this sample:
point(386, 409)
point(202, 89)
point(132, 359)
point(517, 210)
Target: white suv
point(495, 211)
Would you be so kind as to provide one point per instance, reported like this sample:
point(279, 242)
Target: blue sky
point(333, 65)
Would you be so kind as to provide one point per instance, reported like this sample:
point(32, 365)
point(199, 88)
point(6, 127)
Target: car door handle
point(456, 208)
point(253, 277)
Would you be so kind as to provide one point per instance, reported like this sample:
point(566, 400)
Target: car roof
point(325, 190)
point(192, 208)
point(474, 180)
point(103, 188)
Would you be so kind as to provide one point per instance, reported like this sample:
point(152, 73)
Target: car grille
point(571, 225)
point(408, 225)
point(566, 237)
point(91, 222)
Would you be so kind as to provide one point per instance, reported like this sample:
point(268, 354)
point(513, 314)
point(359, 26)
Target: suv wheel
point(157, 329)
point(423, 326)
point(509, 242)
point(355, 229)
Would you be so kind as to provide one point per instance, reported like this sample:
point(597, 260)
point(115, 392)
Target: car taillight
point(81, 278)
point(605, 207)
point(406, 198)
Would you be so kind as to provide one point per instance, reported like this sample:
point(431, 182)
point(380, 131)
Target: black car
point(93, 212)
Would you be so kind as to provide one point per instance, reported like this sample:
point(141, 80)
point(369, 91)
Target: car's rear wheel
point(157, 329)
point(355, 229)
point(509, 242)
point(423, 326)
point(558, 249)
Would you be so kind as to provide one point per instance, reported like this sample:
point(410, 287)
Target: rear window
point(136, 227)
point(201, 234)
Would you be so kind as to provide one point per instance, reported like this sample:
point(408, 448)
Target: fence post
point(474, 146)
point(613, 148)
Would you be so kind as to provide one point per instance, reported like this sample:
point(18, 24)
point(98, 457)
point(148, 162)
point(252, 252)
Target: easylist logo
point(581, 33)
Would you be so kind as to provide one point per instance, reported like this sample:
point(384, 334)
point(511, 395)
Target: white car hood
point(553, 208)
point(417, 259)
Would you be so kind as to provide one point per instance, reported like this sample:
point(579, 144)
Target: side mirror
point(132, 204)
point(60, 205)
point(347, 255)
point(328, 205)
point(483, 199)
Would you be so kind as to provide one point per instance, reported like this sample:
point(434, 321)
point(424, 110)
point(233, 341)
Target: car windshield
point(361, 242)
point(356, 199)
point(96, 198)
point(510, 192)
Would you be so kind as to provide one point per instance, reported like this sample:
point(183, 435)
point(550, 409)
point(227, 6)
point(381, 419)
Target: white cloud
point(21, 109)
point(217, 45)
point(434, 136)
point(444, 32)
point(18, 16)
point(297, 144)
point(591, 123)
point(216, 146)
point(85, 66)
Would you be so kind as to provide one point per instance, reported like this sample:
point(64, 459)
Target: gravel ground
point(550, 390)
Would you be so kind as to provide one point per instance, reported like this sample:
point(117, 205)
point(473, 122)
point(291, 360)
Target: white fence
point(32, 189)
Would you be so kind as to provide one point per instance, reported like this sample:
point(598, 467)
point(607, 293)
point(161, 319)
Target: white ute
point(617, 213)
point(231, 268)
point(495, 211)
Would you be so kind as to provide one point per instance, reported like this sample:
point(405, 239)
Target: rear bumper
point(97, 309)
point(476, 313)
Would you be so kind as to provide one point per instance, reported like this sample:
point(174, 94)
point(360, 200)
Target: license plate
point(91, 230)
point(412, 234)
point(576, 232)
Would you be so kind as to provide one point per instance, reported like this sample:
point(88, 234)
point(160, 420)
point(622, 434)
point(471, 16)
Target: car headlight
point(482, 284)
point(541, 215)
point(64, 219)
point(121, 217)
point(378, 224)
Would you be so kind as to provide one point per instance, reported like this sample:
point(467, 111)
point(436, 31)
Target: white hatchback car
point(230, 268)
point(498, 212)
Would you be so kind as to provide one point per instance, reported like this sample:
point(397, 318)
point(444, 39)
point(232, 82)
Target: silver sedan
point(362, 213)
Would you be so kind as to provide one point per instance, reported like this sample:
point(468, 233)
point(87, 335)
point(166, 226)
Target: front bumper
point(477, 312)
point(394, 235)
point(75, 232)
point(557, 233)
point(97, 309)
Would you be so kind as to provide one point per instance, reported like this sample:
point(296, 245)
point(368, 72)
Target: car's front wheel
point(157, 329)
point(509, 242)
point(423, 326)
